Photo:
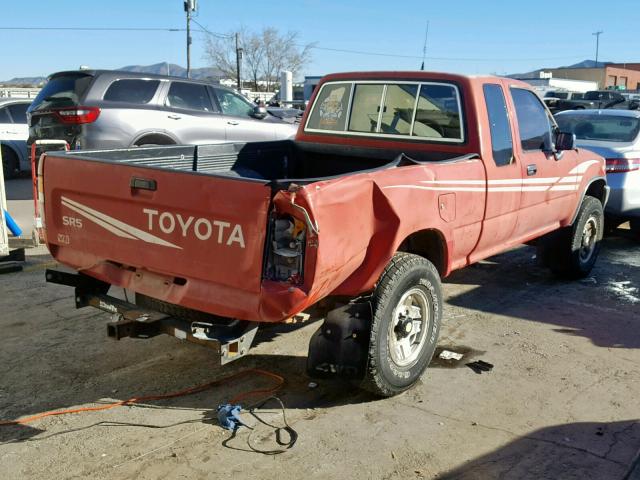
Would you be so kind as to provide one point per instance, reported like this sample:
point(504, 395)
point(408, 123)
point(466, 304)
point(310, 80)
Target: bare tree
point(282, 52)
point(221, 53)
point(265, 54)
point(253, 55)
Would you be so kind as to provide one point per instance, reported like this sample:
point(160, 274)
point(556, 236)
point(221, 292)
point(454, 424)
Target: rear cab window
point(419, 110)
point(131, 90)
point(66, 90)
point(607, 128)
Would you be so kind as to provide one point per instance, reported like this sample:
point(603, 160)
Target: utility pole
point(189, 6)
point(597, 34)
point(238, 61)
point(424, 48)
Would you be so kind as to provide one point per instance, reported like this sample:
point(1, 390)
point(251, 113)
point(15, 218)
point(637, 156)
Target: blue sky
point(467, 36)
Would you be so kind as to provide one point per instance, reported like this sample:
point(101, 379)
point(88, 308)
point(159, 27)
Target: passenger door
point(192, 115)
point(549, 183)
point(504, 175)
point(239, 124)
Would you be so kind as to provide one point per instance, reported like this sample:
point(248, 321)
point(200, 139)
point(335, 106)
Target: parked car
point(593, 99)
point(13, 136)
point(394, 180)
point(615, 135)
point(552, 97)
point(113, 109)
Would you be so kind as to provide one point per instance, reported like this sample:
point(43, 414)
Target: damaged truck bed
point(393, 181)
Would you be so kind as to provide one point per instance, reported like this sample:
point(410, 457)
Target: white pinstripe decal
point(115, 226)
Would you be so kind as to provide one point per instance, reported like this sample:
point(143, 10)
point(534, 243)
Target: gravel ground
point(560, 403)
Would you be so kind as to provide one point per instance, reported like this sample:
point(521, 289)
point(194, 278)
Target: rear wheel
point(572, 251)
point(407, 312)
point(10, 163)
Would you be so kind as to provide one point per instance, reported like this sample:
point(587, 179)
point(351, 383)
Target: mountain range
point(212, 73)
point(159, 68)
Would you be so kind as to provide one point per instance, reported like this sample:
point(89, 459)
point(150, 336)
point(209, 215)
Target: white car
point(614, 135)
point(14, 132)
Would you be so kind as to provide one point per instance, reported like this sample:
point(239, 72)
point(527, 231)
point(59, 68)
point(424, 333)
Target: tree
point(265, 54)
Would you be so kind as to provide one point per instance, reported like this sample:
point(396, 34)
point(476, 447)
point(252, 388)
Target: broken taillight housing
point(285, 252)
point(621, 165)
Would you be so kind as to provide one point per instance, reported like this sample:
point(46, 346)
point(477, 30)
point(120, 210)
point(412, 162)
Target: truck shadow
point(589, 450)
point(604, 307)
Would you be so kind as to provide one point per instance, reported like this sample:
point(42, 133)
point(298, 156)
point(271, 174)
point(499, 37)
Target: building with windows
point(624, 76)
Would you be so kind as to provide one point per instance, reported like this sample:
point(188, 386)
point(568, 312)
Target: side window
point(4, 116)
point(18, 112)
point(499, 125)
point(189, 96)
point(533, 123)
point(131, 91)
point(330, 108)
point(365, 108)
point(438, 113)
point(233, 104)
point(397, 113)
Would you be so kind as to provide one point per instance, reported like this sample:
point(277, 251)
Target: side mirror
point(259, 112)
point(565, 141)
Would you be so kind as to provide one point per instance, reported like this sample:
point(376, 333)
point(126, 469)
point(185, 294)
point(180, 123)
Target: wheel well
point(155, 139)
point(429, 244)
point(596, 190)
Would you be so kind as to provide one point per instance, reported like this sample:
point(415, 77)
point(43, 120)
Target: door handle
point(174, 117)
point(532, 169)
point(233, 122)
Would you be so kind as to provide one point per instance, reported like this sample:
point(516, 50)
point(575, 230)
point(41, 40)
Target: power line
point(315, 47)
point(105, 29)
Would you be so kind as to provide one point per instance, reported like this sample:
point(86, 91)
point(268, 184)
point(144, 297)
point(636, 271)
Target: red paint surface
point(363, 218)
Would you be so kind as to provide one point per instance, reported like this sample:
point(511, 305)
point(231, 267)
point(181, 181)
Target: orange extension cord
point(187, 391)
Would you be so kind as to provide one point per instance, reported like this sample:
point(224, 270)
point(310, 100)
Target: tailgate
point(174, 223)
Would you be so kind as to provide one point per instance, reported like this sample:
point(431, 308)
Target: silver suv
point(98, 109)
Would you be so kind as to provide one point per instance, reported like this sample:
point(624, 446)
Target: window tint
point(62, 91)
point(610, 128)
point(4, 116)
point(233, 104)
point(499, 126)
point(132, 91)
point(365, 108)
point(438, 113)
point(330, 108)
point(19, 112)
point(397, 114)
point(533, 123)
point(189, 96)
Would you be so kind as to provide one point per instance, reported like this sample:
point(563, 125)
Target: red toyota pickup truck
point(394, 180)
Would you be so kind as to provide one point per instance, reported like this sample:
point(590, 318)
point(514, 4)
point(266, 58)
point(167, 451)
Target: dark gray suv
point(96, 109)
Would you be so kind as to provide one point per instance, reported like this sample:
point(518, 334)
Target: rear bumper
point(624, 198)
point(275, 302)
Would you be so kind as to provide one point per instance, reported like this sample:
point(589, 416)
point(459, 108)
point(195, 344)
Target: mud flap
point(338, 349)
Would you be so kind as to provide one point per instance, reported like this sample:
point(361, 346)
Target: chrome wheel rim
point(408, 327)
point(588, 241)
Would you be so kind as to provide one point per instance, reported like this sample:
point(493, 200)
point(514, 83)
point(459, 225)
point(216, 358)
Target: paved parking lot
point(560, 403)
